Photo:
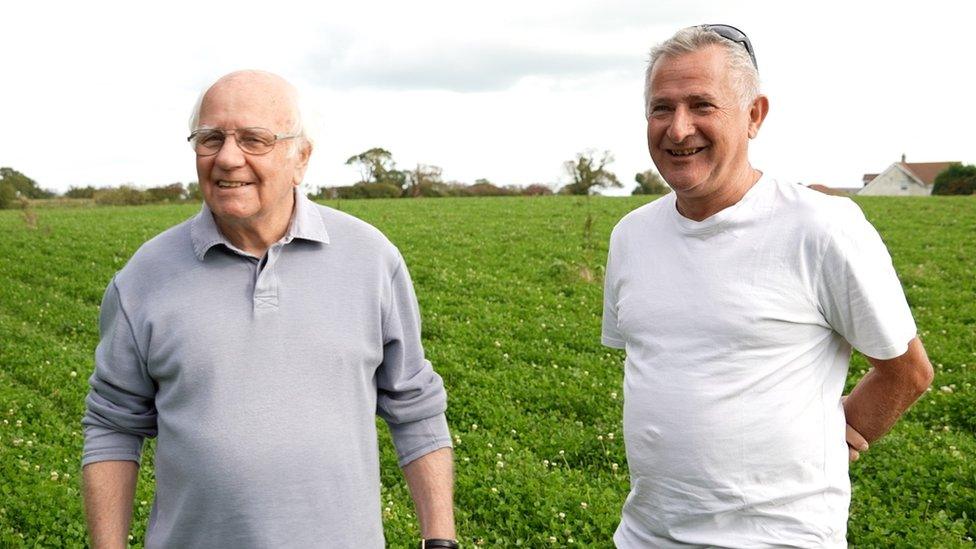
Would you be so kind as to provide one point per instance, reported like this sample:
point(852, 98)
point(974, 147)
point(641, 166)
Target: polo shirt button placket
point(266, 286)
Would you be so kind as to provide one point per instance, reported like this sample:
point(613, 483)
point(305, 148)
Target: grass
point(510, 292)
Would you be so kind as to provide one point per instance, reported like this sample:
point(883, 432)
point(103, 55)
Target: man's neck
point(699, 208)
point(255, 236)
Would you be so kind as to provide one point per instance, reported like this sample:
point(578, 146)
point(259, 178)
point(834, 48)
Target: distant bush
point(956, 179)
point(536, 189)
point(121, 196)
point(173, 192)
point(80, 192)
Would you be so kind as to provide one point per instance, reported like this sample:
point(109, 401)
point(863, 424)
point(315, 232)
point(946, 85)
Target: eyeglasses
point(731, 33)
point(256, 141)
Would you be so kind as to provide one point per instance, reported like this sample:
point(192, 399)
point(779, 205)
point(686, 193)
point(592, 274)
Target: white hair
point(301, 125)
point(744, 75)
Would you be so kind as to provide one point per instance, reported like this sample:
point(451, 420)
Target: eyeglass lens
point(250, 140)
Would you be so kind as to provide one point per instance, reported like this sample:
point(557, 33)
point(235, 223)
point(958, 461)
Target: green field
point(511, 293)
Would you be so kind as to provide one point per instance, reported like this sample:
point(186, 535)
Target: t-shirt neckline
point(714, 223)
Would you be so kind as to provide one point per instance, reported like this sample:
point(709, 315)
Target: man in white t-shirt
point(738, 298)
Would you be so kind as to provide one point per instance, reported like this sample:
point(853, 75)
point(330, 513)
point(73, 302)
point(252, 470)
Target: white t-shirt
point(736, 330)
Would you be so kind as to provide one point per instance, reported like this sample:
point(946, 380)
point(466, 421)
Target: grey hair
point(745, 77)
point(301, 126)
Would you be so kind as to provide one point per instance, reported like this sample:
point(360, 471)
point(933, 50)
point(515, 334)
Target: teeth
point(230, 184)
point(685, 152)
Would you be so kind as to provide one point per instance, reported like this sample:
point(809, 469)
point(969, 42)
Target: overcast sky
point(100, 92)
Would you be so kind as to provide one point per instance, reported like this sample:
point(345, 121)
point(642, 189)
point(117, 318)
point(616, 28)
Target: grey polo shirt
point(261, 378)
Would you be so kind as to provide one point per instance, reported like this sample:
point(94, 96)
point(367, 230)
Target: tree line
point(588, 172)
point(380, 178)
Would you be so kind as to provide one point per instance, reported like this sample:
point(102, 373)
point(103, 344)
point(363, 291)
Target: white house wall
point(894, 182)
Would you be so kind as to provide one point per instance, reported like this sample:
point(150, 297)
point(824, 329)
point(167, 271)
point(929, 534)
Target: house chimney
point(902, 158)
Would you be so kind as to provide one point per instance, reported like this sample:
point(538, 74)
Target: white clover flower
point(584, 505)
point(552, 539)
point(600, 438)
point(494, 490)
point(610, 436)
point(54, 475)
point(562, 516)
point(500, 464)
point(613, 395)
point(73, 373)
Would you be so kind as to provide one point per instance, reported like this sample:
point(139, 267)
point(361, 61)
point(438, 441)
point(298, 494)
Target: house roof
point(925, 171)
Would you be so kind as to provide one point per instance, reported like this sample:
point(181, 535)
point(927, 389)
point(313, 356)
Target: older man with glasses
point(258, 341)
point(738, 299)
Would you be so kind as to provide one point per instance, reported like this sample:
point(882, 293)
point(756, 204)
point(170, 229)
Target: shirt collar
point(306, 224)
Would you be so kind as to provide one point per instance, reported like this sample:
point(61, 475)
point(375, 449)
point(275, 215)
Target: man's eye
point(211, 139)
point(704, 106)
point(660, 109)
point(254, 139)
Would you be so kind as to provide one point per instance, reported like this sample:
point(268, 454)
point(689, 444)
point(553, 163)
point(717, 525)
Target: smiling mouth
point(231, 184)
point(685, 152)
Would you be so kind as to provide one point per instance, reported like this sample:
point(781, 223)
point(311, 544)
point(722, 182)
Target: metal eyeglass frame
point(277, 137)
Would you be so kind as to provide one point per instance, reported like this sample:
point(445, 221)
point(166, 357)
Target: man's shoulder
point(166, 248)
point(158, 258)
point(640, 217)
point(347, 230)
point(815, 210)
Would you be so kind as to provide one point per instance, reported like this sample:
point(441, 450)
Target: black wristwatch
point(439, 544)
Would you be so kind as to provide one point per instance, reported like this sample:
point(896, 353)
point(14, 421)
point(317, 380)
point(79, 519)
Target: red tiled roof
point(926, 171)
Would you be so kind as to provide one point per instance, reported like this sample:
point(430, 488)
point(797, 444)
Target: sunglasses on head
point(731, 33)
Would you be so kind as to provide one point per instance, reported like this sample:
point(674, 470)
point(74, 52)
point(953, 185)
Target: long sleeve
point(411, 396)
point(119, 410)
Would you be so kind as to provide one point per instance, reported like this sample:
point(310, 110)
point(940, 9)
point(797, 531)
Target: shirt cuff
point(419, 438)
point(613, 342)
point(103, 444)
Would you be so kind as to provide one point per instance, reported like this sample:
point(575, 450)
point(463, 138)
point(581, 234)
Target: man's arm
point(431, 481)
point(888, 389)
point(110, 487)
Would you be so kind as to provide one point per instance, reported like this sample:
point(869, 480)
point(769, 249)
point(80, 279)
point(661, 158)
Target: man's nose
point(681, 125)
point(229, 156)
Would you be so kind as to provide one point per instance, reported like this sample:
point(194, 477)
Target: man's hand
point(110, 487)
point(431, 481)
point(855, 443)
point(889, 389)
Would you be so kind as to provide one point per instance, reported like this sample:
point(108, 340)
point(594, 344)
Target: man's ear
point(304, 154)
point(757, 113)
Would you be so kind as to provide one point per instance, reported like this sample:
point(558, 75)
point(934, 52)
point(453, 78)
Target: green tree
point(425, 180)
point(377, 166)
point(14, 184)
point(193, 191)
point(956, 179)
point(650, 182)
point(589, 173)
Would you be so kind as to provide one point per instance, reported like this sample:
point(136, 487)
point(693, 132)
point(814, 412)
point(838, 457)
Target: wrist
point(438, 543)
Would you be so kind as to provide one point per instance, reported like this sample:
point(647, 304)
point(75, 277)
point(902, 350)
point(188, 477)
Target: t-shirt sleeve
point(411, 396)
point(860, 294)
point(120, 409)
point(610, 336)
